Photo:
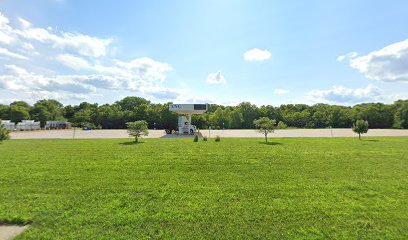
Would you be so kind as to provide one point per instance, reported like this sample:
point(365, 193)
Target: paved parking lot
point(121, 133)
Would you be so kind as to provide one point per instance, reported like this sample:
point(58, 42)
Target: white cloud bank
point(216, 78)
point(343, 95)
point(83, 59)
point(389, 64)
point(257, 54)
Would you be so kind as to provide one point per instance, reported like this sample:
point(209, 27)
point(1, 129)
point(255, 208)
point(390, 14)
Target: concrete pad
point(8, 232)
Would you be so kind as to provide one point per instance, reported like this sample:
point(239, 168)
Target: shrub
point(196, 138)
point(4, 133)
point(282, 125)
point(205, 138)
point(217, 138)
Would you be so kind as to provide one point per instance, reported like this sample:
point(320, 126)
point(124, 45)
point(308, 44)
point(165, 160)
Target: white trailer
point(7, 124)
point(185, 111)
point(26, 125)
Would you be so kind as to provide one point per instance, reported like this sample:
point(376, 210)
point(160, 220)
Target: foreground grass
point(338, 188)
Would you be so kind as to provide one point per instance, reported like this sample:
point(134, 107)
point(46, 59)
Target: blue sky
point(226, 52)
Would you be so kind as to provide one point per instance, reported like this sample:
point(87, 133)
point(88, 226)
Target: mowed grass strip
point(339, 188)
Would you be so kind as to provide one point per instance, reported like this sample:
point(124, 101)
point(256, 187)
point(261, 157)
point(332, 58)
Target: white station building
point(185, 111)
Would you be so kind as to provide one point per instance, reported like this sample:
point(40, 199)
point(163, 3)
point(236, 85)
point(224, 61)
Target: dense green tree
point(69, 112)
point(249, 112)
point(377, 114)
point(319, 115)
point(158, 116)
point(109, 117)
point(339, 117)
point(83, 118)
point(47, 109)
point(4, 111)
point(219, 118)
point(236, 119)
point(16, 111)
point(19, 112)
point(201, 121)
point(401, 114)
point(135, 108)
point(168, 120)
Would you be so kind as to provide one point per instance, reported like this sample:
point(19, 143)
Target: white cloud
point(83, 44)
point(349, 55)
point(137, 75)
point(280, 91)
point(342, 95)
point(256, 54)
point(24, 23)
point(18, 78)
point(3, 20)
point(80, 43)
point(5, 38)
point(6, 52)
point(387, 64)
point(28, 46)
point(73, 62)
point(145, 68)
point(6, 35)
point(216, 78)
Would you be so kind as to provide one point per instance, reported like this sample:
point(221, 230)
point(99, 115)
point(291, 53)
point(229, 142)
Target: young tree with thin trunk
point(360, 127)
point(265, 126)
point(137, 129)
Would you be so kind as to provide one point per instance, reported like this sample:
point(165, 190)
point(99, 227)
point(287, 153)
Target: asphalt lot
point(229, 133)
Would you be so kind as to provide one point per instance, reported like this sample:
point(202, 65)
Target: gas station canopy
point(188, 108)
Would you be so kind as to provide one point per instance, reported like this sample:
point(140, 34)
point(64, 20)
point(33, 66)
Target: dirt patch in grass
point(9, 231)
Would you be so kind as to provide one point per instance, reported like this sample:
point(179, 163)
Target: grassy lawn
point(339, 188)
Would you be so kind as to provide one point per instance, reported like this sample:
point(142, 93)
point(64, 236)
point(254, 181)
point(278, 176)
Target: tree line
point(242, 116)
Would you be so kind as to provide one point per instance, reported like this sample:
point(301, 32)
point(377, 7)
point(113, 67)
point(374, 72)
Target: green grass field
point(339, 188)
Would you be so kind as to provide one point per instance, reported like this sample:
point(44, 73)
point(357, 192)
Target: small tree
point(265, 126)
point(137, 129)
point(360, 127)
point(4, 133)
